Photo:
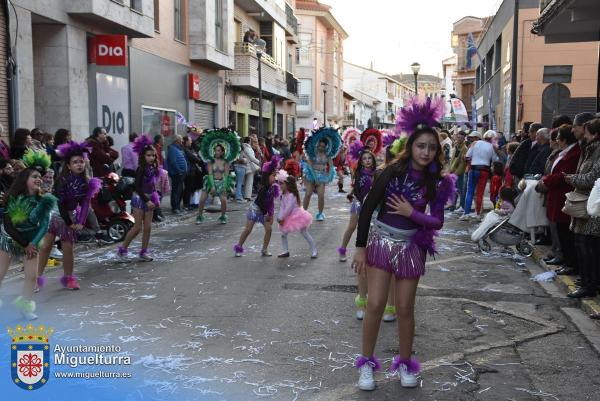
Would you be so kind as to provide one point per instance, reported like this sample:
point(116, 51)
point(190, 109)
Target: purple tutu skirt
point(355, 206)
point(254, 214)
point(59, 229)
point(391, 250)
point(298, 220)
point(137, 203)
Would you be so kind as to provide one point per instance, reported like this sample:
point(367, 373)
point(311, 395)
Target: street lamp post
point(259, 47)
point(415, 69)
point(354, 115)
point(324, 85)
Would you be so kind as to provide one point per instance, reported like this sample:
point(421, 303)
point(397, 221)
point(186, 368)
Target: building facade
point(389, 94)
point(427, 85)
point(552, 79)
point(275, 22)
point(448, 72)
point(320, 66)
point(57, 83)
point(464, 74)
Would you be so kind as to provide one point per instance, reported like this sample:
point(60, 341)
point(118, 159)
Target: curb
point(567, 284)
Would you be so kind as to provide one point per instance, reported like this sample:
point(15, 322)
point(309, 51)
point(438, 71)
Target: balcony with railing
point(245, 72)
point(291, 24)
point(263, 10)
point(292, 86)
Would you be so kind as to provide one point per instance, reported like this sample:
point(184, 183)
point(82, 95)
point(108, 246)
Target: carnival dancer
point(292, 217)
point(320, 147)
point(372, 138)
point(263, 208)
point(145, 199)
point(395, 245)
point(349, 136)
point(74, 191)
point(218, 148)
point(26, 219)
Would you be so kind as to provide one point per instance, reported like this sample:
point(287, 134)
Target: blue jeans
point(176, 191)
point(472, 181)
point(240, 173)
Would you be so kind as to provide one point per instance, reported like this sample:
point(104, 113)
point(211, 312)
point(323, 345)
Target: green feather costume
point(26, 221)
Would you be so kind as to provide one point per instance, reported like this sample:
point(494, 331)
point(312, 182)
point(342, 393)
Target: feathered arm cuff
point(94, 185)
point(45, 205)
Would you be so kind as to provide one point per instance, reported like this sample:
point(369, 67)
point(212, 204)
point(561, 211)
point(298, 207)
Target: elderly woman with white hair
point(539, 154)
point(480, 155)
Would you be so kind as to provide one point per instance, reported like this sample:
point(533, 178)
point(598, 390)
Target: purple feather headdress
point(355, 151)
point(389, 137)
point(419, 112)
point(72, 148)
point(141, 142)
point(271, 166)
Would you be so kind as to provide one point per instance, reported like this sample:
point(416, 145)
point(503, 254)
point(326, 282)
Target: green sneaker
point(223, 219)
point(26, 307)
point(389, 314)
point(360, 302)
point(199, 219)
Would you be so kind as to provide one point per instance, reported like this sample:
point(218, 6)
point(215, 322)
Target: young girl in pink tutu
point(292, 217)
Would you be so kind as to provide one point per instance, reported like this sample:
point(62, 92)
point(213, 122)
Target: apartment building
point(275, 22)
point(320, 66)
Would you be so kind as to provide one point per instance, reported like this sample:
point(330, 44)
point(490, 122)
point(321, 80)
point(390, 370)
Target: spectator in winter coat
point(519, 159)
point(195, 175)
point(539, 153)
point(129, 158)
point(177, 167)
point(102, 153)
point(458, 166)
point(20, 143)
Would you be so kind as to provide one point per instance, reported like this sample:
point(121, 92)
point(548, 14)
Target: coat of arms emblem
point(30, 356)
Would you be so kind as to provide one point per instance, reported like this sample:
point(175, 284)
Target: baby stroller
point(497, 229)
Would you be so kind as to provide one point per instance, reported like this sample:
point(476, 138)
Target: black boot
point(341, 188)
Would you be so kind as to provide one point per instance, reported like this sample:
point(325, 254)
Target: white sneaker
point(407, 379)
point(365, 379)
point(388, 317)
point(238, 254)
point(465, 217)
point(360, 314)
point(56, 253)
point(460, 210)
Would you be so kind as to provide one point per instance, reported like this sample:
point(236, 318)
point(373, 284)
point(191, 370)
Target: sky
point(393, 34)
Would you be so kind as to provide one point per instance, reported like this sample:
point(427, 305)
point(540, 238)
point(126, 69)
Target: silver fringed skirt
point(254, 214)
point(391, 249)
point(10, 246)
point(355, 206)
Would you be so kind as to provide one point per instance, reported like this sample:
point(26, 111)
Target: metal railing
point(248, 48)
point(291, 19)
point(291, 83)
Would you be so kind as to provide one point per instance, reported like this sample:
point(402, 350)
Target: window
point(179, 20)
point(305, 40)
point(498, 54)
point(219, 42)
point(558, 74)
point(304, 94)
point(136, 5)
point(156, 16)
point(159, 121)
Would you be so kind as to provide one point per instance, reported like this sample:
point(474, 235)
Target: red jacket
point(558, 187)
point(495, 186)
point(101, 154)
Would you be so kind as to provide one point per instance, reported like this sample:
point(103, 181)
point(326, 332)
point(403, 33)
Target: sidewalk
point(566, 283)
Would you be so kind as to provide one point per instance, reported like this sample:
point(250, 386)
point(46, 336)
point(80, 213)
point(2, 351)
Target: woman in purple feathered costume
point(74, 190)
point(263, 208)
point(145, 199)
point(396, 244)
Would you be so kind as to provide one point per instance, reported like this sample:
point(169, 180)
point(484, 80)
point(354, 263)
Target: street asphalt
point(201, 324)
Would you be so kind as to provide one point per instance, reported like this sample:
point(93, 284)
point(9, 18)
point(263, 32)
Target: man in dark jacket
point(177, 167)
point(195, 175)
point(539, 154)
point(102, 153)
point(519, 159)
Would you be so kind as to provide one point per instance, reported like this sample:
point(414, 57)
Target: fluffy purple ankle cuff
point(144, 251)
point(41, 281)
point(342, 251)
point(64, 280)
point(122, 250)
point(412, 365)
point(238, 249)
point(373, 361)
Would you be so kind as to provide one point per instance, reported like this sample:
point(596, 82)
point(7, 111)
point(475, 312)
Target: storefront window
point(159, 121)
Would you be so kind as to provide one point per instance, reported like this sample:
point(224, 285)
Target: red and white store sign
point(107, 50)
point(194, 86)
